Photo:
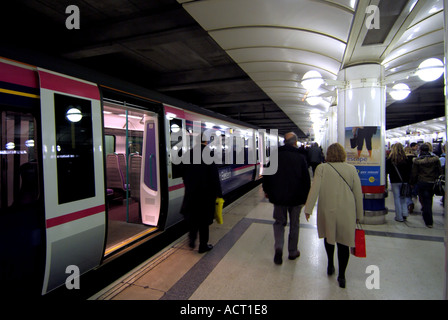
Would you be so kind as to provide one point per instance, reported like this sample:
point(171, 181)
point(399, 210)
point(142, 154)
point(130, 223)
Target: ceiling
point(241, 58)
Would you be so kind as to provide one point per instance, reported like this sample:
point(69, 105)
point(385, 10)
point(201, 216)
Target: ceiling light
point(312, 80)
point(400, 91)
point(74, 115)
point(430, 69)
point(175, 128)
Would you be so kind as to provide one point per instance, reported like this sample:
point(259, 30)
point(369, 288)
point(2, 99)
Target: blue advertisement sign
point(369, 175)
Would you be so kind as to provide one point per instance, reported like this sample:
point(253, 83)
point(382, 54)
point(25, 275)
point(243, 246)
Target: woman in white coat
point(338, 187)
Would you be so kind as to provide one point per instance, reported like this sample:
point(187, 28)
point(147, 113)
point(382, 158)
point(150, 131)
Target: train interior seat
point(135, 163)
point(115, 179)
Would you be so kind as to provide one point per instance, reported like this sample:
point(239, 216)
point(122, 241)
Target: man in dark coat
point(288, 189)
point(314, 156)
point(202, 187)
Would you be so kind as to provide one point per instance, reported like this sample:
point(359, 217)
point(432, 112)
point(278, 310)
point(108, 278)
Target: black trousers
point(343, 256)
point(202, 227)
point(425, 195)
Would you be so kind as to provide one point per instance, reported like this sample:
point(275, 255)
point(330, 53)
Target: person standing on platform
point(340, 206)
point(287, 189)
point(398, 167)
point(410, 155)
point(202, 187)
point(426, 169)
point(315, 156)
point(442, 163)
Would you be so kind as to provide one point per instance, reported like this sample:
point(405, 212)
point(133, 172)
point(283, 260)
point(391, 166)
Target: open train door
point(150, 191)
point(73, 176)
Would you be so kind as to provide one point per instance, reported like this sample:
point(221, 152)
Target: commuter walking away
point(287, 189)
point(426, 169)
point(398, 167)
point(410, 155)
point(442, 163)
point(338, 187)
point(202, 187)
point(315, 156)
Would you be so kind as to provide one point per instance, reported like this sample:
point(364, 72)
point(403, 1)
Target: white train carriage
point(87, 174)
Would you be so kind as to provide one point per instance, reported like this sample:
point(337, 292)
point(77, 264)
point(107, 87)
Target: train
point(87, 169)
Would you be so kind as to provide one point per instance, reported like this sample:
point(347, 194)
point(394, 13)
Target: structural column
point(445, 7)
point(361, 130)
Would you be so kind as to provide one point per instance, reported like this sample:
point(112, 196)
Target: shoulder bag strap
point(341, 177)
point(396, 169)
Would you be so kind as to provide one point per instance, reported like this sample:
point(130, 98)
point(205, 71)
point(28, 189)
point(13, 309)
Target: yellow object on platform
point(218, 210)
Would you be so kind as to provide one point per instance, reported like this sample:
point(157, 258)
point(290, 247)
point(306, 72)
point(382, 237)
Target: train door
point(73, 176)
point(133, 170)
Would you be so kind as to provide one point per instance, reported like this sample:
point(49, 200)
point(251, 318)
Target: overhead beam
point(111, 45)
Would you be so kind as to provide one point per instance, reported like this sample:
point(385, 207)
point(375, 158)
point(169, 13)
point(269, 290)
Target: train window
point(109, 143)
point(18, 159)
point(74, 148)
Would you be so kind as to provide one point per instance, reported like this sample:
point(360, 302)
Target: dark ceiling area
point(159, 46)
point(154, 44)
point(424, 103)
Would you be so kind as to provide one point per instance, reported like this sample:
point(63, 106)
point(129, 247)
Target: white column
point(362, 108)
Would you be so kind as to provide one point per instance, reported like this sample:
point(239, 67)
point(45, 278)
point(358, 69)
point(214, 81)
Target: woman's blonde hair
point(408, 151)
point(397, 154)
point(336, 153)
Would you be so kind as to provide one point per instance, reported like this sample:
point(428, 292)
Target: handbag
point(360, 243)
point(218, 210)
point(405, 190)
point(439, 186)
point(353, 142)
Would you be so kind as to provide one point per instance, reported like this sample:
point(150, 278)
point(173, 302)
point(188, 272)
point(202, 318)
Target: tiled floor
point(408, 258)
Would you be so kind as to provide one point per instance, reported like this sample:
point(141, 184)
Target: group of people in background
point(419, 167)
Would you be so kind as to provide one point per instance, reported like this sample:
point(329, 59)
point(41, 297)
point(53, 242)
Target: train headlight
point(73, 115)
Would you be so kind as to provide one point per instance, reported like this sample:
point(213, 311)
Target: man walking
point(288, 189)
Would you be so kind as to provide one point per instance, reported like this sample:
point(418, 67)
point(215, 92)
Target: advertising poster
point(363, 147)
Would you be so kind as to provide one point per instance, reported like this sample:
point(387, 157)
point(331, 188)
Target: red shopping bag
point(360, 243)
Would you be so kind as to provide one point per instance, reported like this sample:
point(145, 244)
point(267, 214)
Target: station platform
point(409, 257)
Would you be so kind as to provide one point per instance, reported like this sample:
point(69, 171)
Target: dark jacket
point(404, 168)
point(290, 185)
point(202, 187)
point(315, 154)
point(426, 168)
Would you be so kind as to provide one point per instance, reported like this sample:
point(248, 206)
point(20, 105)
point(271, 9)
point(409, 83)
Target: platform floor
point(410, 258)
